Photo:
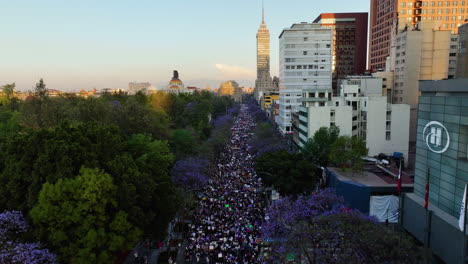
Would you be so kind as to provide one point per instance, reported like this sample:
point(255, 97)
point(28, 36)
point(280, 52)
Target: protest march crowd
point(226, 226)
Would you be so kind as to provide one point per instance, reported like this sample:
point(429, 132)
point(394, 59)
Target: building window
point(304, 53)
point(306, 38)
point(388, 135)
point(463, 143)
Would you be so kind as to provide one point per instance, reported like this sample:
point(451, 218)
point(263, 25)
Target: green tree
point(33, 157)
point(317, 148)
point(347, 152)
point(135, 116)
point(8, 98)
point(145, 186)
point(79, 218)
point(39, 111)
point(183, 143)
point(289, 173)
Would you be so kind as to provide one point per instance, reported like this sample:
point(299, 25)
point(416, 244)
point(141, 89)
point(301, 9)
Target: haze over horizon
point(101, 44)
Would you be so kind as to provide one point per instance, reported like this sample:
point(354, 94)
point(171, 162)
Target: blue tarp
point(356, 195)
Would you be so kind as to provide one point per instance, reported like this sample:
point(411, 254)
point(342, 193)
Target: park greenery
point(95, 175)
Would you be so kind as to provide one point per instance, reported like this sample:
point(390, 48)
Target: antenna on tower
point(263, 13)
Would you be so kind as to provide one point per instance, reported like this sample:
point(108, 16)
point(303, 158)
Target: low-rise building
point(231, 88)
point(359, 110)
point(135, 87)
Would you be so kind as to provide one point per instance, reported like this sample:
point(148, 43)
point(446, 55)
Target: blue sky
point(78, 44)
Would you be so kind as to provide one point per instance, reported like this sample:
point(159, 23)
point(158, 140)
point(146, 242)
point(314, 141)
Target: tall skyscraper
point(305, 64)
point(349, 48)
point(389, 17)
point(264, 82)
point(462, 60)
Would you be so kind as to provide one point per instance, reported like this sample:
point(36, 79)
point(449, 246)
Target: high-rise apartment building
point(264, 82)
point(422, 54)
point(305, 63)
point(349, 47)
point(387, 17)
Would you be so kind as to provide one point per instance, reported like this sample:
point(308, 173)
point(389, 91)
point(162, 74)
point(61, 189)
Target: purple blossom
point(115, 104)
point(12, 223)
point(191, 173)
point(234, 110)
point(191, 106)
point(222, 121)
point(30, 253)
point(324, 230)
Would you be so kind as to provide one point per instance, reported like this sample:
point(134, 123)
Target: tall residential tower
point(349, 49)
point(264, 82)
point(388, 17)
point(305, 64)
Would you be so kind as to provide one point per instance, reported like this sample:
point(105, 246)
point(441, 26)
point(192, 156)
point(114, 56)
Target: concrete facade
point(422, 54)
point(360, 110)
point(389, 17)
point(462, 59)
point(349, 47)
point(231, 88)
point(305, 63)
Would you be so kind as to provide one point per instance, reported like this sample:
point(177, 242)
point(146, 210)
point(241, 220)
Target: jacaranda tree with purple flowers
point(266, 139)
point(191, 173)
point(321, 229)
point(15, 251)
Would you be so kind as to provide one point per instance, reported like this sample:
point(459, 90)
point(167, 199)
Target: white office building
point(305, 63)
point(359, 110)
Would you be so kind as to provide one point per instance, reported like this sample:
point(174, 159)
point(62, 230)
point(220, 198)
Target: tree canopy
point(347, 152)
point(52, 149)
point(317, 149)
point(80, 219)
point(289, 173)
point(322, 229)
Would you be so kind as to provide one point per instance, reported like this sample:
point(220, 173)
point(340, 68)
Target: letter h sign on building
point(436, 136)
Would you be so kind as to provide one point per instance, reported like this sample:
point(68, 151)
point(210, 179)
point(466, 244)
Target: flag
point(399, 180)
point(426, 195)
point(461, 220)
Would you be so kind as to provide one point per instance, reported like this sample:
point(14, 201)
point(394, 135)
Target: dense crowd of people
point(226, 226)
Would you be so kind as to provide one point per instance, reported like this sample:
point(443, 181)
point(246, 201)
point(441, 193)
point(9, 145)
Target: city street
point(227, 223)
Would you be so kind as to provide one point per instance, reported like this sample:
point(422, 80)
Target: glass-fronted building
point(441, 159)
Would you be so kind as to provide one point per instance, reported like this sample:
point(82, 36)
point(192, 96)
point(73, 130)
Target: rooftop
point(445, 86)
point(374, 176)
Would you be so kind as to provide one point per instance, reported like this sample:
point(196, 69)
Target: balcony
point(315, 99)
